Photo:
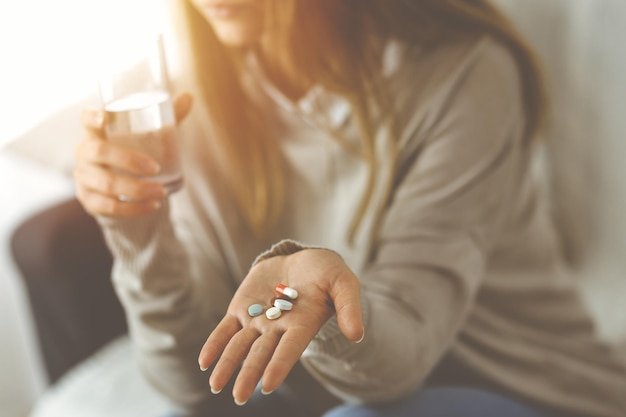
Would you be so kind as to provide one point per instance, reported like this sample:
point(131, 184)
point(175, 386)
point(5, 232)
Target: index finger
point(217, 341)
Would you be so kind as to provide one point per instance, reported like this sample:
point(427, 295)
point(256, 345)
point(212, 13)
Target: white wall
point(52, 51)
point(581, 43)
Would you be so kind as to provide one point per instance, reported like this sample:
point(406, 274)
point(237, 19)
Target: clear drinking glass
point(140, 114)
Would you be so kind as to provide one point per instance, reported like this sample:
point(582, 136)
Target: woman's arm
point(170, 286)
point(450, 201)
point(171, 280)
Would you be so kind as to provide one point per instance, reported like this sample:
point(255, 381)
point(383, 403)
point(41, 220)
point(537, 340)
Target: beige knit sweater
point(465, 262)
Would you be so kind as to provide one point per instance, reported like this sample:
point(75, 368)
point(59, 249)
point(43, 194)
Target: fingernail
point(203, 368)
point(266, 392)
point(362, 337)
point(240, 403)
point(215, 391)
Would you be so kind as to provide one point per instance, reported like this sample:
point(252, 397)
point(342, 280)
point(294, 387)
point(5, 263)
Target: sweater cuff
point(135, 225)
point(286, 247)
point(148, 256)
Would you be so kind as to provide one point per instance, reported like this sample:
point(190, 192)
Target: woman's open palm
point(264, 349)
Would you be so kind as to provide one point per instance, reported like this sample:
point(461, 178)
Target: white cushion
point(105, 385)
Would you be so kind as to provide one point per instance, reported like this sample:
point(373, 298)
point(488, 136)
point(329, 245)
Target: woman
point(373, 155)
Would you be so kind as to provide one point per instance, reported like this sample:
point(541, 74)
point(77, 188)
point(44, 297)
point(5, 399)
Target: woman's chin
point(236, 34)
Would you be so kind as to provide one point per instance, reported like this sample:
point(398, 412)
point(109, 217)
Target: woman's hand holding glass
point(266, 350)
point(108, 175)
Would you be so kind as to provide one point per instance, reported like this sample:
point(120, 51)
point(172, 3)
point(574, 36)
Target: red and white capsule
point(286, 291)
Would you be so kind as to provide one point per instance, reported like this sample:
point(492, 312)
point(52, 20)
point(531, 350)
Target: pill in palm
point(283, 304)
point(273, 313)
point(255, 310)
point(287, 291)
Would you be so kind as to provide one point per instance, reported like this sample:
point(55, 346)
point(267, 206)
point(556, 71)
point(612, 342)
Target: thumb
point(346, 297)
point(182, 106)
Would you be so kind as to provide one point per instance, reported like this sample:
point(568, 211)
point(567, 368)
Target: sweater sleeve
point(449, 201)
point(170, 287)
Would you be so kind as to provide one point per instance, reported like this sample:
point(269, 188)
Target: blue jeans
point(428, 402)
point(443, 402)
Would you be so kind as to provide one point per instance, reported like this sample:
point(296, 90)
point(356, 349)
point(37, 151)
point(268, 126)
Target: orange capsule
point(287, 291)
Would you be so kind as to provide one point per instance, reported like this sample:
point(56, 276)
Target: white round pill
point(283, 304)
point(273, 313)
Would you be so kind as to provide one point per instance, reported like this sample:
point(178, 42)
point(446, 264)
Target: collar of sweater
point(321, 106)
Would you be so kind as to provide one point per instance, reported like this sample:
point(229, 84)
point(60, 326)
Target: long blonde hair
point(336, 44)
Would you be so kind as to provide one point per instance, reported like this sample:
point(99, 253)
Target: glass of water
point(140, 114)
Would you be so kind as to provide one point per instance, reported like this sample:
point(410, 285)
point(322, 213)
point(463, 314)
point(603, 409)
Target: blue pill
point(255, 310)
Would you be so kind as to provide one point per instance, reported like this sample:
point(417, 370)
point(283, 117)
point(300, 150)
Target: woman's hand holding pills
point(266, 349)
